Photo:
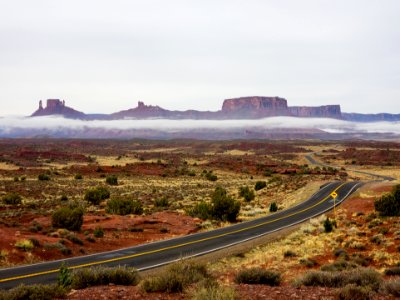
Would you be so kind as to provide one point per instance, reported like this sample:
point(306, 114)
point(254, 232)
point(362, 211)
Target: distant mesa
point(254, 107)
point(57, 107)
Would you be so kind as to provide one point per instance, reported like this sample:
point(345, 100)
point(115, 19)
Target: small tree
point(328, 225)
point(224, 207)
point(68, 218)
point(246, 193)
point(389, 204)
point(112, 180)
point(96, 195)
point(273, 207)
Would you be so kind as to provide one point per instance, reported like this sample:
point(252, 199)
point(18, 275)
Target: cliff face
point(57, 107)
point(328, 111)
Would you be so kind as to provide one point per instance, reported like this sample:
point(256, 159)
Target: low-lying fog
point(56, 124)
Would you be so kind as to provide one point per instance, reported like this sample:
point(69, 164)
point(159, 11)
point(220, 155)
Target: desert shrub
point(201, 210)
point(393, 271)
point(339, 265)
point(98, 232)
point(210, 176)
point(112, 180)
point(35, 242)
point(389, 204)
point(224, 207)
point(211, 290)
point(124, 206)
point(64, 198)
point(354, 292)
point(162, 202)
point(260, 185)
point(340, 253)
point(33, 292)
point(43, 177)
point(59, 246)
point(273, 207)
point(78, 176)
point(25, 245)
point(64, 278)
point(176, 277)
point(392, 287)
point(12, 199)
point(308, 262)
point(246, 193)
point(360, 277)
point(258, 276)
point(96, 195)
point(68, 218)
point(83, 278)
point(289, 253)
point(74, 239)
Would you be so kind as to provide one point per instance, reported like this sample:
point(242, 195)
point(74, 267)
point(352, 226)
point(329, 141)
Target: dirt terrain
point(169, 178)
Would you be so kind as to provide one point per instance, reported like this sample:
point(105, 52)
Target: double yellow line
point(169, 247)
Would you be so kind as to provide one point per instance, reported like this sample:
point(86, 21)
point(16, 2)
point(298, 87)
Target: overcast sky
point(104, 56)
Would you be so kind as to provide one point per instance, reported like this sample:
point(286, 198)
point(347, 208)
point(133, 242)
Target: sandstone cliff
point(57, 107)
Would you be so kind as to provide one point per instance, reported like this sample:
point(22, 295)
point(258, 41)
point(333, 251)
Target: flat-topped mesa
point(326, 111)
point(57, 107)
point(255, 107)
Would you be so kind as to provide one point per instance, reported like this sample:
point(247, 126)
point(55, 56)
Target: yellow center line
point(170, 247)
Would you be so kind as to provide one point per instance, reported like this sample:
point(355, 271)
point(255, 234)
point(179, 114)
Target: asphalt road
point(313, 161)
point(155, 254)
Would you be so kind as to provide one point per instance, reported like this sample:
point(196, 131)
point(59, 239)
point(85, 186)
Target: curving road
point(155, 254)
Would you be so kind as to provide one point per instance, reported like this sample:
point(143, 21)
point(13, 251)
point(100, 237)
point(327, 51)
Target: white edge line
point(151, 243)
point(252, 238)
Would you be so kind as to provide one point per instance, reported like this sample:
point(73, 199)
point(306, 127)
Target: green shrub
point(43, 177)
point(273, 207)
point(246, 193)
point(112, 180)
point(124, 206)
point(68, 218)
point(12, 199)
point(78, 177)
point(289, 253)
point(98, 232)
point(260, 185)
point(33, 292)
point(25, 245)
point(308, 262)
point(354, 292)
point(87, 277)
point(64, 198)
point(176, 277)
point(96, 195)
point(224, 207)
point(258, 276)
point(360, 277)
point(64, 278)
point(389, 204)
point(163, 202)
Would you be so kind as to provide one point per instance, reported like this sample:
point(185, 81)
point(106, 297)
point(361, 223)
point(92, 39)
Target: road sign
point(334, 195)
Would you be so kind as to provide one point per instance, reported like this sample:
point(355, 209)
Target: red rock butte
point(253, 107)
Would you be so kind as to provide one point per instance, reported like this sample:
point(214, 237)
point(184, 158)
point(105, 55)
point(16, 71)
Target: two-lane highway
point(151, 255)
